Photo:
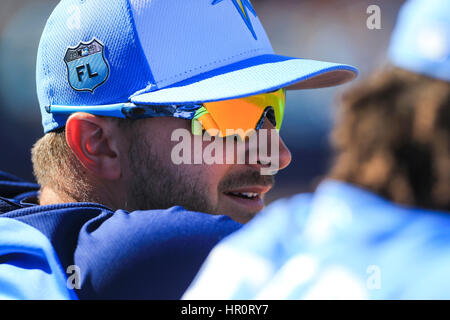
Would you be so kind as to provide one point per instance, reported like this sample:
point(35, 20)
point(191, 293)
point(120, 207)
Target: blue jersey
point(340, 242)
point(117, 254)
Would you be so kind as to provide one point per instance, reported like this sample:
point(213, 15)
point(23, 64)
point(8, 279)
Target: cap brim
point(253, 76)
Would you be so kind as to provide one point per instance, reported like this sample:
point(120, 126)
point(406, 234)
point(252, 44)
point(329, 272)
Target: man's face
point(156, 182)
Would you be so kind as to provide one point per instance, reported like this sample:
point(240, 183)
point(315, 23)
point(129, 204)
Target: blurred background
point(329, 30)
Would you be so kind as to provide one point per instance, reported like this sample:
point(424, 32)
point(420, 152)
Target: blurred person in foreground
point(29, 266)
point(379, 226)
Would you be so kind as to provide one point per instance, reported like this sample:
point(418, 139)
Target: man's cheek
point(211, 177)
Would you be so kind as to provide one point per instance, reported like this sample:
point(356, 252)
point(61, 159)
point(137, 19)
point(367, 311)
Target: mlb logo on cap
point(164, 52)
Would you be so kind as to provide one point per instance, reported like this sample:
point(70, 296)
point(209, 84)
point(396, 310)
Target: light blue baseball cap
point(163, 52)
point(421, 39)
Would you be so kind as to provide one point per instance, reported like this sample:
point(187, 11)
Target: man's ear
point(93, 140)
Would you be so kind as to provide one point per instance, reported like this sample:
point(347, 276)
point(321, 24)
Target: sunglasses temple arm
point(112, 110)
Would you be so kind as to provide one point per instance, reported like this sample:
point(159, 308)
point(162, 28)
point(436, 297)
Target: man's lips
point(249, 191)
point(250, 197)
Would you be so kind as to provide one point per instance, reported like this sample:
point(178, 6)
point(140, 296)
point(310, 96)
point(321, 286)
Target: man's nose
point(284, 154)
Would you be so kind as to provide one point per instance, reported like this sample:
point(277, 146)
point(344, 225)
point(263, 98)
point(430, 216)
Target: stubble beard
point(157, 184)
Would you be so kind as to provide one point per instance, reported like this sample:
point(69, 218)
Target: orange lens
point(239, 116)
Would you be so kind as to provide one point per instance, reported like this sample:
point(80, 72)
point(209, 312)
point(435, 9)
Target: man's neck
point(49, 196)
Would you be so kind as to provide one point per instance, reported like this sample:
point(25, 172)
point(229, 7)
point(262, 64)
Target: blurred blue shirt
point(341, 242)
point(29, 266)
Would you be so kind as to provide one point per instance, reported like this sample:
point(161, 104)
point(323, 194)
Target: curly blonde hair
point(393, 138)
